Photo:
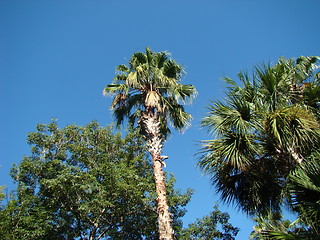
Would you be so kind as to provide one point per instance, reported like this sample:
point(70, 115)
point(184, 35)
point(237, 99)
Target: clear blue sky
point(57, 56)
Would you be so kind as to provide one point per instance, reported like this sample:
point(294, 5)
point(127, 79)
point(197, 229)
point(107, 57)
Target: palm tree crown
point(151, 83)
point(266, 127)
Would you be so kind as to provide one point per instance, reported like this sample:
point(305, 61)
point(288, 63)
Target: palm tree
point(148, 92)
point(263, 130)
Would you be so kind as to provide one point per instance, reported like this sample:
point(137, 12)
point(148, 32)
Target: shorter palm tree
point(262, 131)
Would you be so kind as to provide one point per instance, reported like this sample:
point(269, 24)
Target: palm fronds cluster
point(151, 83)
point(266, 127)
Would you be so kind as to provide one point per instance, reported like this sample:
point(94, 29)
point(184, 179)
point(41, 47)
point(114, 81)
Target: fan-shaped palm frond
point(240, 187)
point(293, 127)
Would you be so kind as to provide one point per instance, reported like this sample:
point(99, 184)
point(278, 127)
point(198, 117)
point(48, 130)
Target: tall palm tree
point(265, 128)
point(148, 92)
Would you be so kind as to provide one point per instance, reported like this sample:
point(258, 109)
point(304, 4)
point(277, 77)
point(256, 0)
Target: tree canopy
point(213, 226)
point(85, 183)
point(266, 127)
point(151, 82)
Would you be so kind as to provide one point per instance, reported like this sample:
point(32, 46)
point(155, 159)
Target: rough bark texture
point(164, 218)
point(151, 126)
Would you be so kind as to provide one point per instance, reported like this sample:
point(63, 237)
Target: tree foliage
point(266, 127)
point(85, 183)
point(151, 82)
point(213, 226)
point(303, 193)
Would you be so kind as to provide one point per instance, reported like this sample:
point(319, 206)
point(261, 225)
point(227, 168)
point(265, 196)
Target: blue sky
point(57, 56)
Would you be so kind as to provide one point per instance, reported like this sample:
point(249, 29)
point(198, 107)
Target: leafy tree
point(85, 183)
point(266, 127)
point(2, 195)
point(213, 226)
point(148, 91)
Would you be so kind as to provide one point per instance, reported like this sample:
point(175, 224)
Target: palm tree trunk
point(154, 137)
point(164, 217)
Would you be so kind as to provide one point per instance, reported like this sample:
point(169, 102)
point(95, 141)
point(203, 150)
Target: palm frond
point(175, 113)
point(182, 93)
point(160, 80)
point(236, 151)
point(132, 80)
point(173, 70)
point(162, 57)
point(111, 89)
point(306, 66)
point(240, 187)
point(119, 115)
point(135, 101)
point(279, 235)
point(137, 59)
point(232, 85)
point(122, 69)
point(311, 94)
point(120, 78)
point(234, 116)
point(293, 126)
point(304, 189)
point(180, 119)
